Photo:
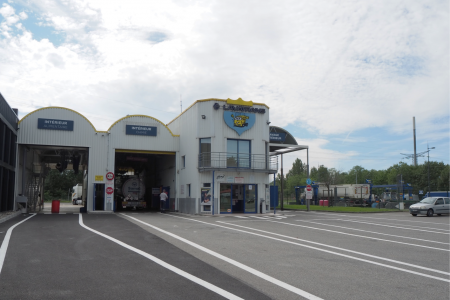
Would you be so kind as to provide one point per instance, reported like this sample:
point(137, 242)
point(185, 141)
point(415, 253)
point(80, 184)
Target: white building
point(215, 149)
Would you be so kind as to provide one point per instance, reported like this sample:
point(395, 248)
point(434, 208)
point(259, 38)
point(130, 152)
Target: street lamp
point(428, 150)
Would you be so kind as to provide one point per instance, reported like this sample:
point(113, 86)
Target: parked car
point(430, 206)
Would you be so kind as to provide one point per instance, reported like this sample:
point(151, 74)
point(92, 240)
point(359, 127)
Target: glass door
point(250, 198)
point(225, 198)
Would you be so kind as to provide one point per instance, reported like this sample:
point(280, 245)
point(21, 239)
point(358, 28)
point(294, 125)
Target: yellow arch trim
point(109, 129)
point(216, 99)
point(59, 108)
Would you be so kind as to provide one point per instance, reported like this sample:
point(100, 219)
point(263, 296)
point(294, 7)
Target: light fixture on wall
point(203, 117)
point(267, 122)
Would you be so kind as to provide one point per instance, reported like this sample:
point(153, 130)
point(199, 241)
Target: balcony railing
point(237, 161)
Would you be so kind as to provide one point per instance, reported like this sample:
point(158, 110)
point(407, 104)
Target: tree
point(57, 185)
point(298, 168)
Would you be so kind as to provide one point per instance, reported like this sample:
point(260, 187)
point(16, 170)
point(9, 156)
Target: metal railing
point(239, 161)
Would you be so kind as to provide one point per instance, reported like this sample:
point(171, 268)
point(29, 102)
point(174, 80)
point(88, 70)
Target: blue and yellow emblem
point(239, 121)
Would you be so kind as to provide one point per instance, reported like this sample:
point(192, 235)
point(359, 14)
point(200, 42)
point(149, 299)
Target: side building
point(8, 149)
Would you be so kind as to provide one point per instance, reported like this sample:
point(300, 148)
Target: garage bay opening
point(140, 177)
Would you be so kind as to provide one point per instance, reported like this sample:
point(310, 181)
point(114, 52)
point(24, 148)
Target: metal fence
point(239, 161)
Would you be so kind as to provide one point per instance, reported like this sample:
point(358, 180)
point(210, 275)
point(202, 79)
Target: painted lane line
point(180, 272)
point(362, 236)
point(6, 239)
point(241, 217)
point(318, 249)
point(355, 229)
point(396, 227)
point(342, 215)
point(341, 249)
point(413, 227)
point(231, 261)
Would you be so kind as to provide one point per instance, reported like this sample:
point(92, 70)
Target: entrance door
point(238, 198)
point(250, 198)
point(99, 196)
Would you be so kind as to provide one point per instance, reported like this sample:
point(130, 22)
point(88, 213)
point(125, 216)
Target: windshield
point(428, 200)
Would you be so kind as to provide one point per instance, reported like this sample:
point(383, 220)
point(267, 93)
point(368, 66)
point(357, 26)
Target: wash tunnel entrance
point(140, 177)
point(47, 173)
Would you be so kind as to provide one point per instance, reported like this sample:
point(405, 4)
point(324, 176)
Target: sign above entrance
point(140, 130)
point(54, 124)
point(98, 178)
point(240, 122)
point(277, 137)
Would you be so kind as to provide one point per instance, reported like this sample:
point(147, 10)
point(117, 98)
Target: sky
point(345, 78)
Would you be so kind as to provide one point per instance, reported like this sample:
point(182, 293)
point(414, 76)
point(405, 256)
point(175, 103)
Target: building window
point(188, 190)
point(205, 152)
point(238, 153)
point(183, 161)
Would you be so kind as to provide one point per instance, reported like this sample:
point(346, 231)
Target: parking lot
point(292, 255)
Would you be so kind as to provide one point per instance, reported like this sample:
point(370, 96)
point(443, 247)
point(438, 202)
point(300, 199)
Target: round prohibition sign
point(110, 175)
point(109, 190)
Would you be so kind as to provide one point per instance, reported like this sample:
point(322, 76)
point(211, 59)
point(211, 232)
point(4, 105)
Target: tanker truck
point(130, 191)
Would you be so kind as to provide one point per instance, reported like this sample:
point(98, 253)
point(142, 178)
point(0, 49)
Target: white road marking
point(241, 217)
point(341, 249)
point(231, 261)
point(6, 239)
point(366, 237)
point(311, 247)
point(182, 273)
point(365, 217)
point(397, 227)
point(355, 229)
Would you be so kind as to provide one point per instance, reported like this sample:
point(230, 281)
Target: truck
point(437, 194)
point(131, 192)
point(77, 194)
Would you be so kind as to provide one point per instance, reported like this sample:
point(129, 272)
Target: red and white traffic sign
point(309, 188)
point(109, 190)
point(110, 175)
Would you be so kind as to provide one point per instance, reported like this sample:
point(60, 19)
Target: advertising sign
point(239, 121)
point(140, 130)
point(206, 196)
point(277, 137)
point(238, 179)
point(54, 124)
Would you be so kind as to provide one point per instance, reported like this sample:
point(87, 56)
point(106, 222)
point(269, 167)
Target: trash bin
point(320, 202)
point(55, 206)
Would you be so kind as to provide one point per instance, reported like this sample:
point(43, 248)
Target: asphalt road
point(295, 255)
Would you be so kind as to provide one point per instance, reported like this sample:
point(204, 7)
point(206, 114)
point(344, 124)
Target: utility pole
point(428, 150)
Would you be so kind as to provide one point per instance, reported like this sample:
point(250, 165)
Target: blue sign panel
point(55, 124)
point(277, 137)
point(308, 181)
point(140, 130)
point(239, 121)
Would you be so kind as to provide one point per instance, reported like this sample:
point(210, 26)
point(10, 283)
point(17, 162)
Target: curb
point(14, 214)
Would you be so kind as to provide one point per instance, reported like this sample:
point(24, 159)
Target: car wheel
point(414, 215)
point(74, 202)
point(430, 213)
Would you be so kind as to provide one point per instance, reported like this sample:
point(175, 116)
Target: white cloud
point(332, 67)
